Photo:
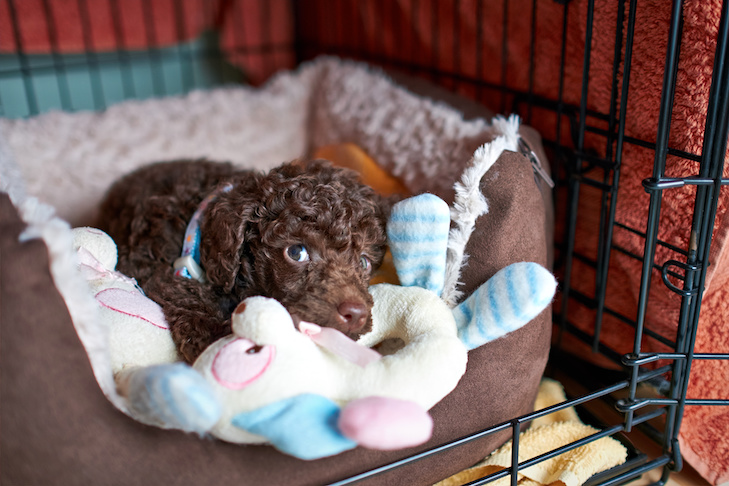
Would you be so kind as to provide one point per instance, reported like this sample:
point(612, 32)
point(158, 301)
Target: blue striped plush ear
point(418, 233)
point(511, 298)
point(418, 236)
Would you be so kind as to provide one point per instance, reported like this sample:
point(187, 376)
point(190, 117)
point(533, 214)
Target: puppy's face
point(320, 278)
point(310, 237)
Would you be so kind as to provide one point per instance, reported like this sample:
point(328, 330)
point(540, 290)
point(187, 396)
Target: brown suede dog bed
point(58, 425)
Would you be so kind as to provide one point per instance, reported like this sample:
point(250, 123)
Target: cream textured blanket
point(69, 159)
point(546, 433)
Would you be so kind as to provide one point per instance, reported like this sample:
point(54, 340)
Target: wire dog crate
point(631, 291)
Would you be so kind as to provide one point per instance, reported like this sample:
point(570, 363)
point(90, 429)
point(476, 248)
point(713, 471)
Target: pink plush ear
point(133, 304)
point(385, 423)
point(241, 362)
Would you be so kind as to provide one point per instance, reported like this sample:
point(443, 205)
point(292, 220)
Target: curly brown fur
point(249, 236)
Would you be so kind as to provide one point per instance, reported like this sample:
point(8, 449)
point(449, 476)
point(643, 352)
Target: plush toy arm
point(304, 426)
point(511, 298)
point(170, 396)
point(433, 358)
point(311, 426)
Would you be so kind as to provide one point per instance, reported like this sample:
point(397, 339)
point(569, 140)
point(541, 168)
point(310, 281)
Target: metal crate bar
point(664, 123)
point(515, 426)
point(609, 199)
point(713, 153)
point(572, 182)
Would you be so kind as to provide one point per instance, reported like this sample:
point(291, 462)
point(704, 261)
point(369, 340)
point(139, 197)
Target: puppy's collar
point(188, 265)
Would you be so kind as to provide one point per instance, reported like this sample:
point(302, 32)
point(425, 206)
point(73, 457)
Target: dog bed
point(55, 362)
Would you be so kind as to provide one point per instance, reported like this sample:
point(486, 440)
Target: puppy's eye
point(297, 253)
point(365, 263)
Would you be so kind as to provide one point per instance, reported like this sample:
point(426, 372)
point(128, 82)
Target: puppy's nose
point(353, 314)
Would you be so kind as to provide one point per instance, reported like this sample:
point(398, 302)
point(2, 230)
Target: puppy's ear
point(224, 229)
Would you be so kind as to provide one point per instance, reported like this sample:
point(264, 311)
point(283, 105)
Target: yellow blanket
point(571, 468)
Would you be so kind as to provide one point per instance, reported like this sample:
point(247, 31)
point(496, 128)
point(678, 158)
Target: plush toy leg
point(418, 236)
point(304, 426)
point(512, 297)
point(171, 396)
point(385, 424)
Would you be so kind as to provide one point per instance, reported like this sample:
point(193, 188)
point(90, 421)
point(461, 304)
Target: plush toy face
point(268, 360)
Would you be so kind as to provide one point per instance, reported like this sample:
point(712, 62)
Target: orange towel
point(353, 157)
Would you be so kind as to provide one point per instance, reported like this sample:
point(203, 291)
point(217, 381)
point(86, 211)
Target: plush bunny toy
point(311, 392)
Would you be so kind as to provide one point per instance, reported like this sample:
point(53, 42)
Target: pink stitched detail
point(133, 304)
point(241, 362)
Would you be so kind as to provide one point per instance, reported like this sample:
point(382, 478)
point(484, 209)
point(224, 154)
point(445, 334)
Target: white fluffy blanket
point(68, 160)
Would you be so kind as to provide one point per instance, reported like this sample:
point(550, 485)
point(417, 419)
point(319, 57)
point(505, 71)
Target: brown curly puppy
point(308, 235)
